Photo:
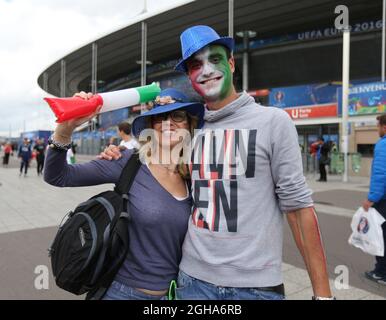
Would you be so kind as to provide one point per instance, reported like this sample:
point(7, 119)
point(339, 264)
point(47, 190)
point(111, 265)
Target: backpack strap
point(128, 174)
point(121, 240)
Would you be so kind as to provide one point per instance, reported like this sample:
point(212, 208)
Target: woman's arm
point(60, 174)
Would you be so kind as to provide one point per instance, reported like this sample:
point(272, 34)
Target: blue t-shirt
point(159, 221)
point(25, 152)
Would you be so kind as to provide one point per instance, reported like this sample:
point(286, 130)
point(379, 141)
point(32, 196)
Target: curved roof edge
point(139, 18)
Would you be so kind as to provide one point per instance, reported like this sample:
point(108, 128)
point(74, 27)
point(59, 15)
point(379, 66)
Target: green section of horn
point(148, 93)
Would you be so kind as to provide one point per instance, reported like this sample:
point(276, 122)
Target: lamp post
point(143, 51)
point(246, 35)
point(230, 17)
point(345, 98)
point(383, 39)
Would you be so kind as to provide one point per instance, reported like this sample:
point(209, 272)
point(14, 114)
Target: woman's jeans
point(189, 288)
point(120, 291)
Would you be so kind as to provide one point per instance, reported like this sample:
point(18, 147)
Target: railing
point(311, 164)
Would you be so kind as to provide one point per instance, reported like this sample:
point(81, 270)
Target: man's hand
point(111, 152)
point(367, 204)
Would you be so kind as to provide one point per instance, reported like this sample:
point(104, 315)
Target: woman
point(7, 153)
point(159, 199)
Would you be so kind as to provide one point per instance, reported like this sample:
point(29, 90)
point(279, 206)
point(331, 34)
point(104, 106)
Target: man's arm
point(305, 229)
point(378, 176)
point(295, 200)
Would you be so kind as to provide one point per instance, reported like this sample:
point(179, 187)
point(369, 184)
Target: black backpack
point(92, 243)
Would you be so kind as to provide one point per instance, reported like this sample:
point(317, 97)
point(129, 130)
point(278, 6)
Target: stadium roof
point(118, 51)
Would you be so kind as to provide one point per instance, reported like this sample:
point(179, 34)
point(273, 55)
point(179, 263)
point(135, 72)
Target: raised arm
point(58, 173)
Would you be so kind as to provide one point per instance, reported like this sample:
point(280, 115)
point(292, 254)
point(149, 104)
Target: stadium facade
point(288, 55)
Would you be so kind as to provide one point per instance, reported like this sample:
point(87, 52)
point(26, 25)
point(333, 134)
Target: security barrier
point(311, 165)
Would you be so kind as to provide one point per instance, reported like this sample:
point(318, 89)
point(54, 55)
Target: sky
point(36, 33)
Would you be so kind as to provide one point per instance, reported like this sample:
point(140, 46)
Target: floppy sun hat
point(195, 38)
point(169, 100)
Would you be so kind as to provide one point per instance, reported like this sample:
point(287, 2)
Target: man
point(323, 158)
point(124, 131)
point(314, 152)
point(25, 154)
point(246, 170)
point(377, 196)
point(40, 149)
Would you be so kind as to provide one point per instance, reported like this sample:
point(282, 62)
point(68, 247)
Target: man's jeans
point(119, 291)
point(380, 266)
point(189, 288)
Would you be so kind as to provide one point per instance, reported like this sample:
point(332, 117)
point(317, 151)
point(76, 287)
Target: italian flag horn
point(72, 108)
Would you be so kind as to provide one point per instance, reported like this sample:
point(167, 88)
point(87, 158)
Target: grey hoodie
point(246, 171)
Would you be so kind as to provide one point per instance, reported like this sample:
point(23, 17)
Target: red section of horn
point(73, 108)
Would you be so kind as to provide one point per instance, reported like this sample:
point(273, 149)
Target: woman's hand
point(64, 129)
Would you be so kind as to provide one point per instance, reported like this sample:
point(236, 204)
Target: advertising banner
point(365, 99)
point(306, 95)
point(313, 34)
point(307, 101)
point(315, 111)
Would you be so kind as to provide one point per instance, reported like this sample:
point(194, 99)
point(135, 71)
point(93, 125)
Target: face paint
point(210, 73)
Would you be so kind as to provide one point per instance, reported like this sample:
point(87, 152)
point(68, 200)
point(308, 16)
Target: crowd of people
point(26, 151)
point(29, 150)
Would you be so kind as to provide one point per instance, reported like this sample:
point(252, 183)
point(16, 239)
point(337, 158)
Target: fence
point(311, 165)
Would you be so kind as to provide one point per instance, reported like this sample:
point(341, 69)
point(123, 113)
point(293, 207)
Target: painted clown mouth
point(210, 80)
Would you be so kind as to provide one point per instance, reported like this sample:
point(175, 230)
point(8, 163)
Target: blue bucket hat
point(195, 38)
point(181, 102)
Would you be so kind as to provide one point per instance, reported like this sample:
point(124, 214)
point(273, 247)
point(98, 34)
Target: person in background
point(111, 141)
point(124, 131)
point(73, 147)
point(377, 196)
point(70, 156)
point(40, 149)
point(7, 153)
point(334, 147)
point(323, 158)
point(25, 154)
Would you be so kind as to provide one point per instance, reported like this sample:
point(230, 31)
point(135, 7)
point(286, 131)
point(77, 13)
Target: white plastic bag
point(367, 232)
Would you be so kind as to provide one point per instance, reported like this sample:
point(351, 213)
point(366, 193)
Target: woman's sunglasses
point(176, 116)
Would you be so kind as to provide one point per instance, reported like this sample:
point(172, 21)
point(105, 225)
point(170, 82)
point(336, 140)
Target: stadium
point(288, 55)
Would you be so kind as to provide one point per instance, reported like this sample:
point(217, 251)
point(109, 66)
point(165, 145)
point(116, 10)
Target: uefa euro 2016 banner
point(307, 101)
point(364, 99)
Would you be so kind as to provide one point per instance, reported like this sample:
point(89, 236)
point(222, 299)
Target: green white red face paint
point(210, 73)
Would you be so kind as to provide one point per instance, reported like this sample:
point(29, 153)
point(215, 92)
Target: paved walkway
point(30, 210)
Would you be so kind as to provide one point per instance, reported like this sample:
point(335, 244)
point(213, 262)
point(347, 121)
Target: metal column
point(383, 39)
point(63, 78)
point(245, 60)
point(230, 18)
point(94, 68)
point(143, 57)
point(345, 93)
point(45, 81)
